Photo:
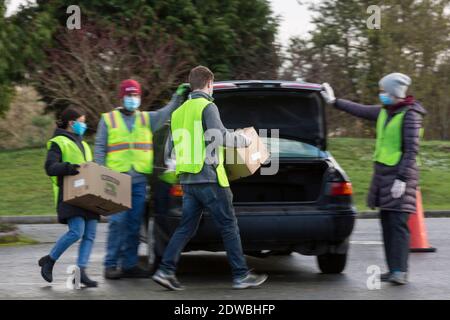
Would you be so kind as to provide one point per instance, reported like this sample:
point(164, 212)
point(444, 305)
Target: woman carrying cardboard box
point(66, 151)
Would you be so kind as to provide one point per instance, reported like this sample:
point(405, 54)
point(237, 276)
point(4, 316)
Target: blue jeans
point(79, 228)
point(219, 202)
point(123, 234)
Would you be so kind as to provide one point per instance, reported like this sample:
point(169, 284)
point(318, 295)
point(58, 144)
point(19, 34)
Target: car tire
point(332, 263)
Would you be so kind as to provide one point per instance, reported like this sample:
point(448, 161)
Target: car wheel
point(331, 262)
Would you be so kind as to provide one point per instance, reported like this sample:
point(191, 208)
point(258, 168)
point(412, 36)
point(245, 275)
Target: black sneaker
point(112, 273)
point(251, 280)
point(167, 281)
point(399, 278)
point(136, 272)
point(384, 277)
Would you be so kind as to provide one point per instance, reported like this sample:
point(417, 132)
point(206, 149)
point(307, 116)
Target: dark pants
point(396, 239)
point(219, 202)
point(123, 234)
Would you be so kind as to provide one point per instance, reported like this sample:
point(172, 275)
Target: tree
point(413, 39)
point(21, 39)
point(86, 66)
point(211, 33)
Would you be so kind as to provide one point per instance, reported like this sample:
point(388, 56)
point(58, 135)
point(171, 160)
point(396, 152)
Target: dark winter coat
point(406, 170)
point(55, 167)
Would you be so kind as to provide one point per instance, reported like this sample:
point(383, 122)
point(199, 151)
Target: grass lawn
point(355, 157)
point(26, 189)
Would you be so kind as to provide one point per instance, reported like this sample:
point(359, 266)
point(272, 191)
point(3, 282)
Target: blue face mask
point(386, 99)
point(79, 128)
point(131, 103)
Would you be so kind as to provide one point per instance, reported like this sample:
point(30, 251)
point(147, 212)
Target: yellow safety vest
point(189, 142)
point(127, 150)
point(388, 148)
point(70, 153)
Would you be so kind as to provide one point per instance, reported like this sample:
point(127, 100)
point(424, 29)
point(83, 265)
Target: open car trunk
point(294, 182)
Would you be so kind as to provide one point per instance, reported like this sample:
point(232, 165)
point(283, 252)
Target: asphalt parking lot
point(207, 276)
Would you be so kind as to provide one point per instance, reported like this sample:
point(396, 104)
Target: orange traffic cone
point(418, 233)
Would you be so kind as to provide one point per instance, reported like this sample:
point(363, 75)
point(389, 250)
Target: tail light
point(341, 189)
point(176, 190)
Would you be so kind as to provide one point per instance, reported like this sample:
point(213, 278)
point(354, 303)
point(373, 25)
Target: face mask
point(131, 103)
point(79, 128)
point(386, 99)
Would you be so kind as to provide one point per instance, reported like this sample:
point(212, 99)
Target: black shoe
point(84, 279)
point(384, 277)
point(46, 263)
point(112, 273)
point(250, 281)
point(167, 281)
point(399, 278)
point(136, 272)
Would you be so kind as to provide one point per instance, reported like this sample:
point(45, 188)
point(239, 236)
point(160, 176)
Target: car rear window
point(285, 148)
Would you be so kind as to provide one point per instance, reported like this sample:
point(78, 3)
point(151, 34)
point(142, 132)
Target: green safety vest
point(129, 149)
point(70, 153)
point(388, 148)
point(189, 140)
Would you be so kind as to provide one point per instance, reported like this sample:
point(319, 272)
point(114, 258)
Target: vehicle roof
point(237, 84)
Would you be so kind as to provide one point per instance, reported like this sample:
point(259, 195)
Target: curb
point(50, 219)
point(35, 219)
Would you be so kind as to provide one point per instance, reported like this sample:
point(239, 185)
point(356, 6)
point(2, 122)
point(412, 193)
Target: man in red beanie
point(124, 143)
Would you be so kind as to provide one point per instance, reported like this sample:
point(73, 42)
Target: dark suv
point(306, 207)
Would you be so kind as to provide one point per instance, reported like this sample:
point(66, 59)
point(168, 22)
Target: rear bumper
point(308, 232)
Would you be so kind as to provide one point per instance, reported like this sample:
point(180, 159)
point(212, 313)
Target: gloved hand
point(72, 169)
point(171, 164)
point(398, 188)
point(328, 93)
point(183, 90)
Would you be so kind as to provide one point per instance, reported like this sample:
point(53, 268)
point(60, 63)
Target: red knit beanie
point(129, 86)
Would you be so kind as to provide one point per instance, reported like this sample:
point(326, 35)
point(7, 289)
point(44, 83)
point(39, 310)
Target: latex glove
point(183, 89)
point(328, 93)
point(248, 141)
point(171, 164)
point(398, 189)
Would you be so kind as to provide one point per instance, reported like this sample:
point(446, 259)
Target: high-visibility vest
point(388, 148)
point(70, 153)
point(189, 140)
point(129, 149)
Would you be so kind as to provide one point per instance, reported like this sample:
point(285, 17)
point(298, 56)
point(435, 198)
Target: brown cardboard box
point(98, 189)
point(243, 162)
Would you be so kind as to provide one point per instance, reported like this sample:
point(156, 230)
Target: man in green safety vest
point(124, 143)
point(393, 187)
point(198, 137)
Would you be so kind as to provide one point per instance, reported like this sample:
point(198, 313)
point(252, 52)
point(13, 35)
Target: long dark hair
point(69, 114)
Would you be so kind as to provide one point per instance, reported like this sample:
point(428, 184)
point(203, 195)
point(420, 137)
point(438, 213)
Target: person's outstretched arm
point(368, 112)
point(356, 109)
point(160, 116)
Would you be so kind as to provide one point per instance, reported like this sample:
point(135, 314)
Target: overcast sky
point(295, 18)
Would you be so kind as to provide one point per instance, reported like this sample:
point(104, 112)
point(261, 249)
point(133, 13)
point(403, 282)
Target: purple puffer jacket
point(406, 170)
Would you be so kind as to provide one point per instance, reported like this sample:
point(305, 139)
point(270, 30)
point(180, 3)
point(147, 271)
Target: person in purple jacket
point(393, 188)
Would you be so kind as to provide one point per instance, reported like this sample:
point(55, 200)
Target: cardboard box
point(243, 162)
point(98, 189)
